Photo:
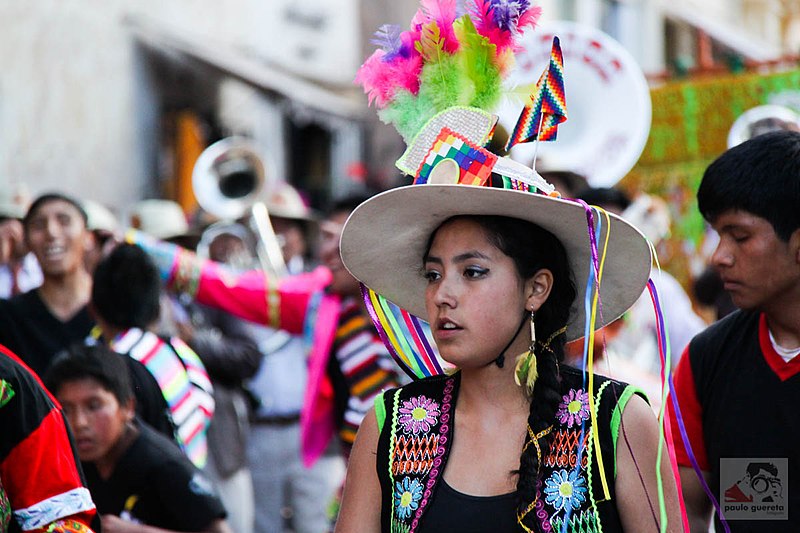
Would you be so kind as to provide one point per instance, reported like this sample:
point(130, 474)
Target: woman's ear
point(537, 289)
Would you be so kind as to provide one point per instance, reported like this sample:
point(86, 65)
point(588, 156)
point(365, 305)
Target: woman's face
point(474, 297)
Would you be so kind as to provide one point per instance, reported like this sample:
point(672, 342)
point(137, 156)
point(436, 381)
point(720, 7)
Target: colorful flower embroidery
point(574, 408)
point(565, 489)
point(407, 495)
point(418, 414)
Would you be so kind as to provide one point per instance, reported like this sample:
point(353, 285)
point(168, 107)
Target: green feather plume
point(481, 77)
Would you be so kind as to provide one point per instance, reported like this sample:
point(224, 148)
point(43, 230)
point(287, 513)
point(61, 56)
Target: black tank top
point(454, 511)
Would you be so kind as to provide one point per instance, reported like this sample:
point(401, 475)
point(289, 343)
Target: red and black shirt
point(739, 399)
point(40, 480)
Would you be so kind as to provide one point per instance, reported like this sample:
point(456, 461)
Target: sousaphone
point(227, 180)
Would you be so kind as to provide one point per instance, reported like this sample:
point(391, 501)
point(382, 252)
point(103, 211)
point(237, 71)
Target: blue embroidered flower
point(565, 489)
point(407, 495)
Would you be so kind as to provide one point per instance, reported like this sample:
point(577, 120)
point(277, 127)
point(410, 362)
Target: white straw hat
point(99, 217)
point(284, 201)
point(384, 239)
point(163, 219)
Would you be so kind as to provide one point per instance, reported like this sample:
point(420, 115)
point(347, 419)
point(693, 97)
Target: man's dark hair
point(126, 288)
point(760, 176)
point(95, 362)
point(54, 197)
point(346, 204)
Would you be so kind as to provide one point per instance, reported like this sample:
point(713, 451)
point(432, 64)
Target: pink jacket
point(297, 304)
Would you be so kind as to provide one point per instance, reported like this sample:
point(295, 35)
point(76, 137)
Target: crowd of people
point(190, 381)
point(156, 375)
point(175, 400)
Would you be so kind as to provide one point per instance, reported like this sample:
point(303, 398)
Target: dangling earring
point(526, 371)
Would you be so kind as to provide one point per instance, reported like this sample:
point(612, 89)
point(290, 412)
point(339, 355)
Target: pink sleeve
point(253, 296)
point(250, 295)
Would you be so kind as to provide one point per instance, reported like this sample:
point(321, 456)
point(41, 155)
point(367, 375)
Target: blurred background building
point(113, 101)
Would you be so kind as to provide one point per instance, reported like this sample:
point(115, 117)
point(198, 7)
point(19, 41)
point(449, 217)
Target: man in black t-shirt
point(153, 483)
point(135, 475)
point(43, 321)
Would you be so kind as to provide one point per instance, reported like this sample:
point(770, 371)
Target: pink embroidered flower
point(418, 414)
point(574, 408)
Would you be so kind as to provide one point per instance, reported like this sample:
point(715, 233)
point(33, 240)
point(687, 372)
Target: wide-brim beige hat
point(284, 201)
point(384, 239)
point(163, 219)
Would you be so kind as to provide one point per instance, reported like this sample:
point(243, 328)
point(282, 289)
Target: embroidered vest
point(416, 430)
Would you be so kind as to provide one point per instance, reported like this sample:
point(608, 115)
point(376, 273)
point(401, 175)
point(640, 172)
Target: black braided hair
point(532, 248)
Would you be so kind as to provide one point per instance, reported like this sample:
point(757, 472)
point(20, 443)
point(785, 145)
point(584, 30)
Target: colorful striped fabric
point(183, 382)
point(408, 338)
point(365, 363)
point(547, 109)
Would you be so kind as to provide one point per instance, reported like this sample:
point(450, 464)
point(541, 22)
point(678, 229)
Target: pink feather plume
point(444, 13)
point(485, 13)
point(382, 79)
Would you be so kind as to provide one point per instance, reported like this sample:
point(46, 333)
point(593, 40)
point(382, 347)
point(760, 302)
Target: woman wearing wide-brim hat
point(490, 269)
point(484, 250)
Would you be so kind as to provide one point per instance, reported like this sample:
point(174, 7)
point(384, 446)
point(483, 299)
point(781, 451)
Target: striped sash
point(183, 382)
point(365, 363)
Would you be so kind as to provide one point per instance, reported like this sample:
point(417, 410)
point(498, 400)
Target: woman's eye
point(475, 272)
point(431, 275)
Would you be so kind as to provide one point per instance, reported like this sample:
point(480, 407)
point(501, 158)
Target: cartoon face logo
point(760, 484)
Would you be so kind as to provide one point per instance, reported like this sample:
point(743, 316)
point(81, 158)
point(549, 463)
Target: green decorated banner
point(691, 121)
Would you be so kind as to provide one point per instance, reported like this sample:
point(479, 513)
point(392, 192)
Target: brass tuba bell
point(227, 180)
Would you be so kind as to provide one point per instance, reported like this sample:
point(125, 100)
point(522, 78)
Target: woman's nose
point(445, 294)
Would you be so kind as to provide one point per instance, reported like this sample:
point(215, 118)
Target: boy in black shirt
point(738, 382)
point(136, 476)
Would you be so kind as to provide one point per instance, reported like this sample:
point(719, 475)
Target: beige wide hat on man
point(163, 219)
